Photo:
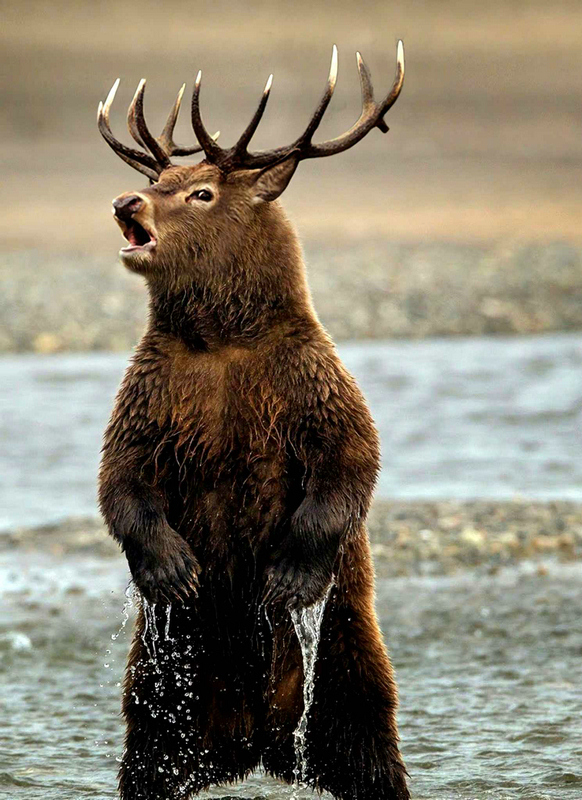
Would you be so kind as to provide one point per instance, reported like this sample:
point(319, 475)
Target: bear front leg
point(161, 562)
point(339, 456)
point(301, 568)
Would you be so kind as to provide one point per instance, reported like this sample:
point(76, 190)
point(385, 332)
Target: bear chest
point(229, 445)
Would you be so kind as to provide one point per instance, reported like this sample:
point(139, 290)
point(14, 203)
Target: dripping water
point(167, 627)
point(130, 601)
point(307, 623)
point(150, 626)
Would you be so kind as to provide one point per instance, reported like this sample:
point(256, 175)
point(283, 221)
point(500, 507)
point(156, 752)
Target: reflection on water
point(459, 418)
point(489, 670)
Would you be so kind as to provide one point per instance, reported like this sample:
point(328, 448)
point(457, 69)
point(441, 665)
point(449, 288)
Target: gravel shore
point(379, 289)
point(408, 538)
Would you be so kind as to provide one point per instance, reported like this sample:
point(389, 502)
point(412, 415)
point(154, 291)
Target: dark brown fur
point(237, 471)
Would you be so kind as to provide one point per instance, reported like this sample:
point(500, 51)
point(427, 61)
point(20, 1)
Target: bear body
point(237, 472)
point(236, 444)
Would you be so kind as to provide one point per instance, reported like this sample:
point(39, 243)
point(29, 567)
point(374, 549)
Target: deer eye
point(200, 194)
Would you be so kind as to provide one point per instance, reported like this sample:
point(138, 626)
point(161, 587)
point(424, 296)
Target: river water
point(489, 666)
point(489, 670)
point(459, 418)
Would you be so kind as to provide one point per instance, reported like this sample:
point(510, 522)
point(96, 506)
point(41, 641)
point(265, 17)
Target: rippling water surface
point(489, 667)
point(459, 418)
point(489, 670)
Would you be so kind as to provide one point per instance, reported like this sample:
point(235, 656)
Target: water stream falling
point(150, 627)
point(307, 623)
point(131, 599)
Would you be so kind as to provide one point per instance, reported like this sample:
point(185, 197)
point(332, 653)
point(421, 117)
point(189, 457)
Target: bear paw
point(165, 569)
point(296, 585)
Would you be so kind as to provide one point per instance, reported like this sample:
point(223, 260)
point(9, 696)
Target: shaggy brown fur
point(237, 472)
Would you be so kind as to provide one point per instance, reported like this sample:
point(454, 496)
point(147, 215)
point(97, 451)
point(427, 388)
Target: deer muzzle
point(133, 215)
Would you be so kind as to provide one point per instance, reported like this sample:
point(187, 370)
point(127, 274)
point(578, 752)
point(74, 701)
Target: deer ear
point(270, 182)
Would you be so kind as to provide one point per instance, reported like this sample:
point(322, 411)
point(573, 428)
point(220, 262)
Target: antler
point(372, 116)
point(161, 148)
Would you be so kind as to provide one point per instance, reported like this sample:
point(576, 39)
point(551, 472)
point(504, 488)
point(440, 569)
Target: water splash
point(167, 626)
point(130, 602)
point(151, 628)
point(307, 623)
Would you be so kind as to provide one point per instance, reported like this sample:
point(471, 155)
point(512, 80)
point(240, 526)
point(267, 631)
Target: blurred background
point(446, 260)
point(464, 218)
point(485, 142)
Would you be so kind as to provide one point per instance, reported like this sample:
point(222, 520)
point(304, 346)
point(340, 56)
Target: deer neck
point(238, 303)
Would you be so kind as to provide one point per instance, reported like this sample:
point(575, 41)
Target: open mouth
point(139, 238)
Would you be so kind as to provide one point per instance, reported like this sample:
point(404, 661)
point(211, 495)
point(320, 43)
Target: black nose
point(126, 206)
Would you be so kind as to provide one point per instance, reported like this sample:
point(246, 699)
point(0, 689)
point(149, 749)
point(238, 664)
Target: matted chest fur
point(226, 437)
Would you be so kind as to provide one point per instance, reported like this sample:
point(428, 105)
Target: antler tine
point(368, 90)
point(131, 120)
point(166, 138)
point(178, 150)
point(394, 92)
point(140, 131)
point(307, 135)
point(212, 151)
point(240, 147)
point(365, 81)
point(142, 162)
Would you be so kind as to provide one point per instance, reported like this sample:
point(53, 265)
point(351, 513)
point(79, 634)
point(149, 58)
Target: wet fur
point(237, 472)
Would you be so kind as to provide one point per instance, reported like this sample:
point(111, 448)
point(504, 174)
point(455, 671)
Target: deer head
point(218, 220)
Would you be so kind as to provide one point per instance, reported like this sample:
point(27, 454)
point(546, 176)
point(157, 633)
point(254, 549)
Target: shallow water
point(489, 670)
point(459, 418)
point(489, 667)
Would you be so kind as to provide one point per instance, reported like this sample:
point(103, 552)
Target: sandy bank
point(377, 289)
point(408, 538)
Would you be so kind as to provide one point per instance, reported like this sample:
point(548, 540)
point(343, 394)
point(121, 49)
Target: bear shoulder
point(322, 398)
